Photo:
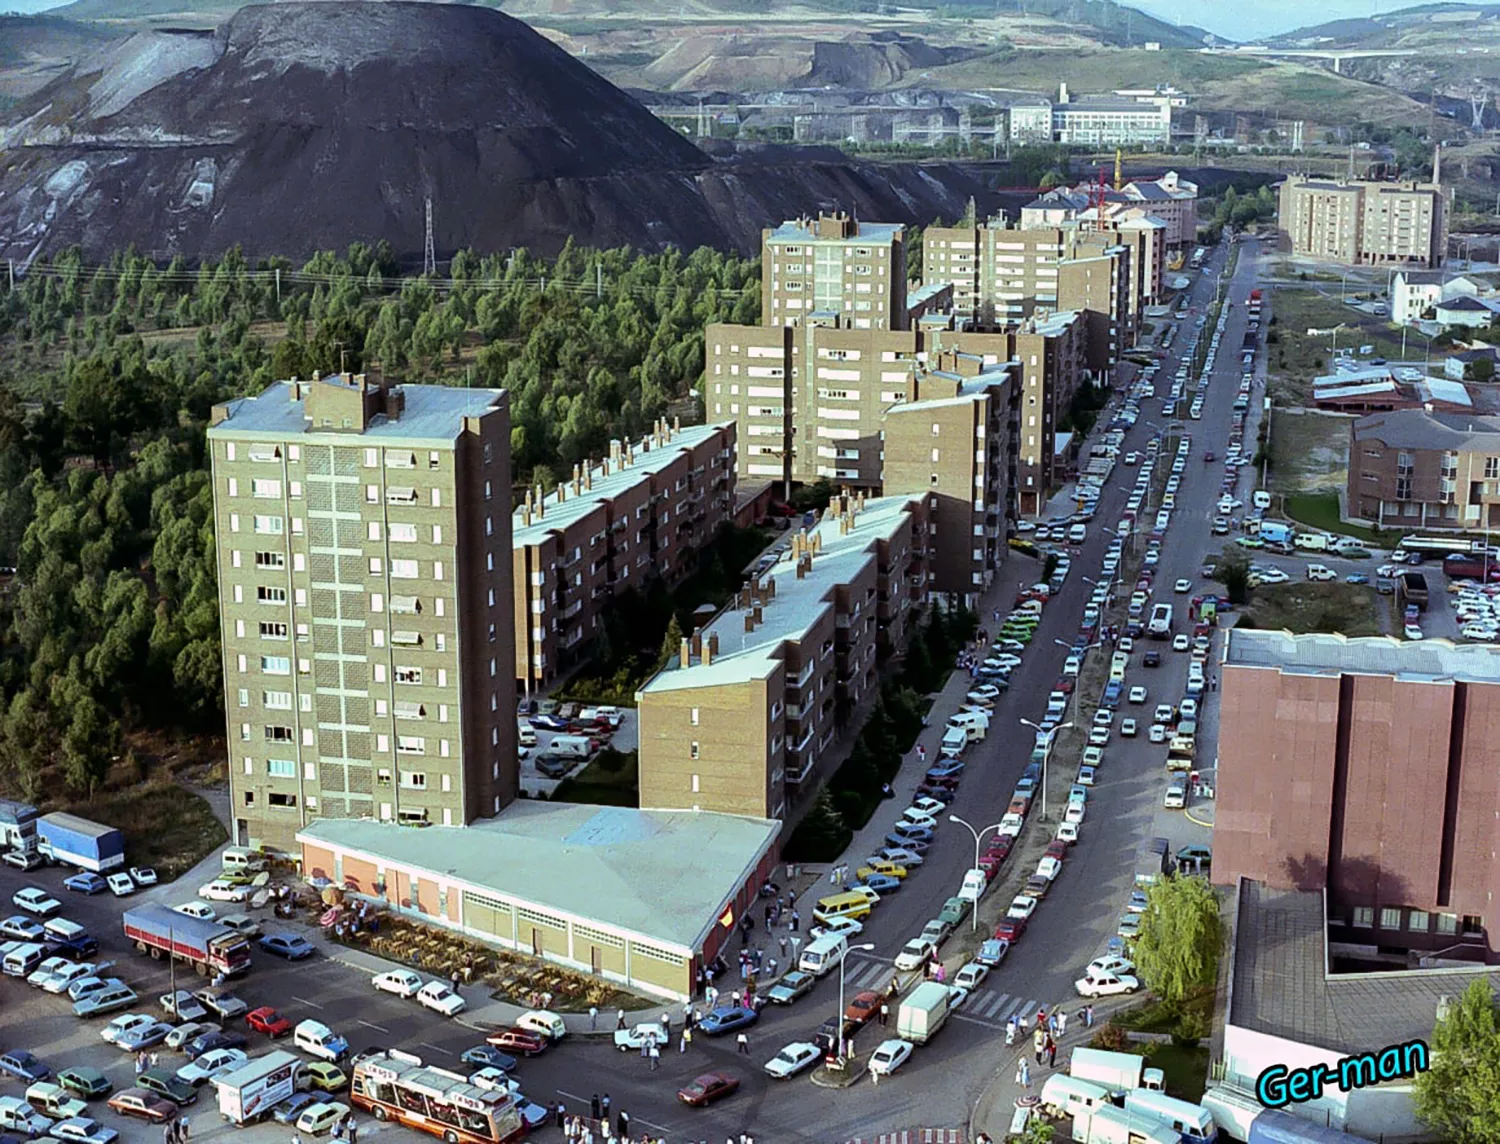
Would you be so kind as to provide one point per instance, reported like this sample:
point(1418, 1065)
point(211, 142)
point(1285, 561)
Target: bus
point(397, 1087)
point(1437, 547)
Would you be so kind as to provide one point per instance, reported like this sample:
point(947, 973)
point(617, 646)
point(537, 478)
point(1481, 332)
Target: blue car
point(1356, 578)
point(945, 769)
point(22, 1064)
point(909, 831)
point(1112, 693)
point(287, 945)
point(549, 723)
point(487, 1056)
point(882, 883)
point(86, 883)
point(77, 948)
point(728, 1018)
point(299, 1102)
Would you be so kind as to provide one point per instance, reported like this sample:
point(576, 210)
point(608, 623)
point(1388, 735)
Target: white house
point(1466, 310)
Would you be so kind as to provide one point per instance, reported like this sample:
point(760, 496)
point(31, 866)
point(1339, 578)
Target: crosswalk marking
point(992, 1002)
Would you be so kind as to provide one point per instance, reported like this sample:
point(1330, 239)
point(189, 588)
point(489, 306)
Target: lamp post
point(839, 1023)
point(1046, 756)
point(978, 834)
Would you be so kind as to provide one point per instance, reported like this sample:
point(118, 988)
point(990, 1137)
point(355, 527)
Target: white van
point(242, 860)
point(16, 1114)
point(823, 954)
point(526, 735)
point(975, 884)
point(22, 960)
point(543, 1021)
point(1261, 499)
point(571, 746)
point(1161, 621)
point(61, 929)
point(1064, 1096)
point(318, 1040)
point(974, 725)
point(955, 739)
point(1310, 541)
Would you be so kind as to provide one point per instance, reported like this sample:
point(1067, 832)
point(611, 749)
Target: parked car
point(287, 945)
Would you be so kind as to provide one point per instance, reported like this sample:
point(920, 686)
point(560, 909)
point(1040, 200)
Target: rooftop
point(432, 413)
point(1280, 987)
point(1464, 303)
point(662, 874)
point(1420, 277)
point(1444, 389)
point(1419, 429)
point(797, 605)
point(801, 230)
point(651, 456)
point(1092, 103)
point(1323, 653)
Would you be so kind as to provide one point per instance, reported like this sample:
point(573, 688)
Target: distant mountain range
point(1427, 27)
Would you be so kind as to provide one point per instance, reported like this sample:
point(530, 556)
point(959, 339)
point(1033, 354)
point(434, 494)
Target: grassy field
point(1321, 510)
point(1309, 607)
point(1297, 357)
point(1309, 452)
point(601, 783)
point(165, 826)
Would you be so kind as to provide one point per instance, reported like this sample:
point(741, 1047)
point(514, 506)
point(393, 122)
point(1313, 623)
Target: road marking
point(583, 1100)
point(377, 1028)
point(305, 1001)
point(993, 1002)
point(972, 1020)
point(430, 1045)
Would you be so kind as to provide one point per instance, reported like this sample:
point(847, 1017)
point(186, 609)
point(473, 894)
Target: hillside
point(1429, 27)
point(34, 50)
point(305, 126)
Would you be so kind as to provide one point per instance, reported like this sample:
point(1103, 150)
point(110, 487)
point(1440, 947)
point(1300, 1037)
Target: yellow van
point(854, 906)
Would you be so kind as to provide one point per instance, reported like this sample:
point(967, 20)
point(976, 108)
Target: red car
point(1058, 850)
point(990, 864)
point(146, 1105)
point(266, 1020)
point(517, 1040)
point(1000, 846)
point(708, 1088)
point(1064, 684)
point(1010, 929)
point(864, 1006)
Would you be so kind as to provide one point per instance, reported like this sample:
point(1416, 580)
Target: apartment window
point(281, 768)
point(377, 602)
point(268, 595)
point(1491, 468)
point(437, 534)
point(403, 569)
point(264, 453)
point(411, 745)
point(285, 801)
point(434, 459)
point(400, 494)
point(266, 489)
point(695, 784)
point(693, 750)
point(1364, 917)
point(374, 566)
point(229, 451)
point(1447, 924)
point(401, 533)
point(394, 460)
point(437, 498)
point(277, 700)
point(271, 630)
point(1390, 918)
point(269, 525)
point(406, 605)
point(437, 570)
point(414, 780)
point(276, 664)
point(383, 777)
point(373, 532)
point(274, 734)
point(1418, 921)
point(234, 487)
point(410, 711)
point(693, 716)
point(372, 494)
point(372, 458)
point(244, 697)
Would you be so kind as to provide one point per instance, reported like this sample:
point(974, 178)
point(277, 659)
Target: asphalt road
point(940, 1083)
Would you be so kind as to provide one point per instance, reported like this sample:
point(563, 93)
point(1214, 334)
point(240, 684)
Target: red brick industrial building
point(1369, 768)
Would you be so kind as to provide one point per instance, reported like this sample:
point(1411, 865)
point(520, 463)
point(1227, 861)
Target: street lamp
point(978, 834)
point(1046, 755)
point(839, 1022)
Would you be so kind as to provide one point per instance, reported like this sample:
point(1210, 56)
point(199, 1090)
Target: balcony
point(796, 775)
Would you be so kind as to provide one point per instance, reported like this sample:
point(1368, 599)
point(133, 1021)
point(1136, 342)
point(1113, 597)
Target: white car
point(1011, 824)
point(1067, 832)
point(1412, 631)
point(221, 891)
point(211, 1064)
point(793, 1059)
point(901, 856)
point(1103, 717)
point(914, 954)
point(35, 901)
point(182, 1005)
point(646, 1033)
point(1158, 733)
point(1188, 708)
point(1109, 964)
point(59, 979)
point(1093, 757)
point(1273, 576)
point(1086, 776)
point(184, 1033)
point(1021, 907)
point(495, 1080)
point(971, 976)
point(440, 998)
point(45, 970)
point(844, 927)
point(120, 885)
point(1182, 587)
point(1127, 728)
point(1175, 798)
point(1181, 642)
point(985, 693)
point(1074, 813)
point(204, 913)
point(929, 806)
point(889, 1057)
point(1106, 985)
point(1072, 665)
point(111, 1032)
point(83, 1130)
point(401, 982)
point(1137, 695)
point(143, 875)
point(1099, 737)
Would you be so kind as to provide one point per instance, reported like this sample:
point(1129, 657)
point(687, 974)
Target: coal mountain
point(303, 126)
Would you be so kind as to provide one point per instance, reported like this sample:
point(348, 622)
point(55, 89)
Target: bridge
point(1337, 55)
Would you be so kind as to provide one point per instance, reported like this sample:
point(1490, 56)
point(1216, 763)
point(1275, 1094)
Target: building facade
point(1369, 768)
point(741, 720)
point(835, 266)
point(1111, 120)
point(1416, 469)
point(365, 602)
point(644, 512)
point(1365, 223)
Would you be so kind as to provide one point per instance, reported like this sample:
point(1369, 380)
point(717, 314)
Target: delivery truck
point(1277, 1126)
point(75, 841)
point(1117, 1072)
point(209, 947)
point(250, 1092)
point(922, 1012)
point(17, 825)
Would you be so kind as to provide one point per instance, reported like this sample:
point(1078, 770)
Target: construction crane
point(1119, 182)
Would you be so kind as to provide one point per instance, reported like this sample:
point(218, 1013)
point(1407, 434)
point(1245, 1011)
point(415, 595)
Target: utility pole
point(429, 257)
point(598, 280)
point(278, 286)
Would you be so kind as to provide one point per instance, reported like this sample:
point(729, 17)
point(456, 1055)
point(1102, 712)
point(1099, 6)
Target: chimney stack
point(562, 491)
point(771, 588)
point(758, 614)
point(749, 621)
point(698, 642)
point(541, 503)
point(676, 426)
point(711, 648)
point(686, 653)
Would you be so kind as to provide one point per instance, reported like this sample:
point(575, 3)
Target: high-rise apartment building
point(1365, 223)
point(1002, 275)
point(363, 544)
point(852, 272)
point(643, 513)
point(739, 722)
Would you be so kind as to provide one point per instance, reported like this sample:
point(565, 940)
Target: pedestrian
point(1041, 1017)
point(593, 1018)
point(1025, 1075)
point(666, 1024)
point(833, 873)
point(796, 919)
point(654, 1053)
point(151, 1060)
point(781, 941)
point(885, 1013)
point(1088, 1016)
point(594, 1106)
point(685, 1040)
point(735, 997)
point(742, 1042)
point(338, 1129)
point(185, 1129)
point(1052, 1025)
point(1039, 1043)
point(1021, 1071)
point(603, 1108)
point(353, 1130)
point(1051, 1053)
point(624, 1125)
point(1062, 1023)
point(166, 1133)
point(560, 1114)
point(619, 1024)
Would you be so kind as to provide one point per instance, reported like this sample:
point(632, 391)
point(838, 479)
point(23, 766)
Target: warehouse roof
point(662, 874)
point(1318, 653)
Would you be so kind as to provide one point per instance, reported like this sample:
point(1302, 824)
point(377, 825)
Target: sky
point(1245, 22)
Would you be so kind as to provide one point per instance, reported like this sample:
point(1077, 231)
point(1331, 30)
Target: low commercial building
point(1417, 469)
point(644, 512)
point(741, 719)
point(1297, 999)
point(1365, 223)
point(1384, 388)
point(640, 898)
point(1367, 770)
point(1110, 120)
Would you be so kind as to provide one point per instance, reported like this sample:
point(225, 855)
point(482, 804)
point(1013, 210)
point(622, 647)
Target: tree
point(1458, 1097)
point(1178, 947)
point(1233, 572)
point(1482, 369)
point(671, 643)
point(1039, 1131)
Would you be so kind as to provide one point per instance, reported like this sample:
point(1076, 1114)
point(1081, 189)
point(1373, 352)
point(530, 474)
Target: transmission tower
point(429, 257)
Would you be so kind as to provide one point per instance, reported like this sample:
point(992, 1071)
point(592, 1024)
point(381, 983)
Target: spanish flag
point(727, 918)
